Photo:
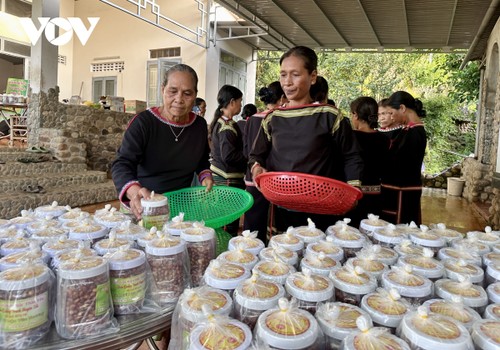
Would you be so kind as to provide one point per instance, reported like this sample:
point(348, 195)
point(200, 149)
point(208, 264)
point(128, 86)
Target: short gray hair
point(181, 68)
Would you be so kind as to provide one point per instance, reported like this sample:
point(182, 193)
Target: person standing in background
point(247, 111)
point(386, 123)
point(200, 107)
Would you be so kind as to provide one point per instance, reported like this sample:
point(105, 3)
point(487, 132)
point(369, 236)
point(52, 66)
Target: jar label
point(361, 342)
point(421, 262)
point(312, 284)
point(443, 308)
point(215, 300)
point(437, 327)
point(102, 299)
point(129, 290)
point(228, 338)
point(262, 290)
point(405, 279)
point(455, 288)
point(272, 268)
point(386, 305)
point(281, 323)
point(327, 249)
point(496, 310)
point(369, 265)
point(492, 331)
point(347, 318)
point(19, 315)
point(154, 220)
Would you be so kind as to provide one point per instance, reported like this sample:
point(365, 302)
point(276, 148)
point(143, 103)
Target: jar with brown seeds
point(200, 243)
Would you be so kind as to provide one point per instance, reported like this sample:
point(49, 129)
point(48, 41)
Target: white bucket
point(455, 186)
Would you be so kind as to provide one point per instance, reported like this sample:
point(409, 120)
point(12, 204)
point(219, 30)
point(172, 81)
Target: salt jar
point(487, 237)
point(309, 234)
point(155, 210)
point(26, 218)
point(473, 296)
point(428, 239)
point(146, 237)
point(88, 230)
point(128, 231)
point(429, 331)
point(254, 296)
point(493, 292)
point(111, 244)
point(248, 240)
point(225, 276)
point(374, 338)
point(424, 265)
point(72, 214)
point(288, 327)
point(459, 254)
point(492, 312)
point(309, 289)
point(319, 264)
point(347, 237)
point(84, 307)
point(168, 260)
point(69, 254)
point(177, 225)
point(472, 245)
point(32, 256)
point(406, 247)
point(10, 232)
point(326, 247)
point(110, 218)
point(26, 297)
point(287, 256)
point(60, 244)
point(289, 241)
point(386, 307)
point(385, 255)
point(274, 270)
point(239, 256)
point(338, 320)
point(415, 288)
point(201, 247)
point(54, 210)
point(446, 233)
point(352, 283)
point(485, 335)
point(371, 224)
point(455, 309)
point(389, 236)
point(455, 268)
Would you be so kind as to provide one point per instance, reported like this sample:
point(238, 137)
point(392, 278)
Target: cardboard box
point(135, 106)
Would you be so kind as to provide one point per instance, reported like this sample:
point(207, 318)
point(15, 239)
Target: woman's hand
point(257, 170)
point(208, 182)
point(135, 193)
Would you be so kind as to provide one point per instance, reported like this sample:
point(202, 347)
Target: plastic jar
point(492, 273)
point(48, 234)
point(424, 265)
point(372, 267)
point(83, 306)
point(128, 231)
point(169, 264)
point(309, 234)
point(319, 264)
point(111, 244)
point(225, 276)
point(347, 237)
point(16, 245)
point(240, 257)
point(68, 255)
point(254, 296)
point(10, 232)
point(32, 256)
point(155, 211)
point(110, 218)
point(326, 247)
point(287, 256)
point(406, 247)
point(428, 239)
point(473, 296)
point(496, 248)
point(455, 309)
point(386, 308)
point(471, 245)
point(58, 245)
point(144, 239)
point(415, 288)
point(54, 210)
point(220, 333)
point(73, 214)
point(309, 289)
point(485, 334)
point(248, 241)
point(454, 253)
point(289, 241)
point(88, 231)
point(491, 258)
point(487, 237)
point(371, 224)
point(455, 268)
point(42, 224)
point(446, 233)
point(177, 225)
point(26, 297)
point(26, 218)
point(389, 236)
point(201, 248)
point(493, 292)
point(492, 312)
point(351, 284)
point(338, 320)
point(273, 270)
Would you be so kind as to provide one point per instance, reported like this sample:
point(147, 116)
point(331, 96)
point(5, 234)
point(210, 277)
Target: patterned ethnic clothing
point(228, 160)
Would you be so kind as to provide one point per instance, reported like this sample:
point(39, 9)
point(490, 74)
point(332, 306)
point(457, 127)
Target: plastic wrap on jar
point(352, 283)
point(177, 225)
point(254, 296)
point(455, 309)
point(17, 244)
point(347, 237)
point(389, 236)
point(386, 307)
point(60, 244)
point(492, 312)
point(54, 210)
point(309, 289)
point(455, 268)
point(42, 224)
point(289, 241)
point(424, 265)
point(146, 237)
point(239, 256)
point(409, 228)
point(319, 263)
point(372, 223)
point(496, 248)
point(201, 247)
point(486, 335)
point(428, 239)
point(488, 237)
point(371, 266)
point(68, 254)
point(248, 240)
point(385, 255)
point(84, 307)
point(309, 234)
point(26, 304)
point(110, 218)
point(491, 258)
point(110, 244)
point(224, 275)
point(374, 338)
point(10, 232)
point(472, 245)
point(415, 288)
point(34, 255)
point(87, 230)
point(492, 273)
point(128, 231)
point(493, 292)
point(73, 214)
point(274, 270)
point(423, 329)
point(406, 247)
point(459, 253)
point(49, 234)
point(3, 223)
point(287, 256)
point(446, 233)
point(26, 218)
point(472, 295)
point(341, 226)
point(155, 211)
point(288, 327)
point(326, 247)
point(189, 312)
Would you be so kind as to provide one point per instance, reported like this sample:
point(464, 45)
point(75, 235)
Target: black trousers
point(257, 217)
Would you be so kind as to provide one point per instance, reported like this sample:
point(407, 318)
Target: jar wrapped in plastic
point(54, 210)
point(472, 245)
point(84, 307)
point(309, 289)
point(371, 224)
point(371, 266)
point(352, 283)
point(288, 327)
point(110, 217)
point(87, 230)
point(385, 255)
point(111, 244)
point(491, 258)
point(347, 237)
point(225, 276)
point(459, 254)
point(455, 268)
point(319, 264)
point(424, 265)
point(32, 256)
point(274, 270)
point(128, 231)
point(69, 254)
point(26, 304)
point(26, 218)
point(428, 239)
point(48, 234)
point(386, 307)
point(73, 214)
point(239, 256)
point(389, 236)
point(58, 245)
point(487, 237)
point(309, 234)
point(169, 262)
point(492, 312)
point(406, 247)
point(248, 240)
point(455, 309)
point(146, 237)
point(493, 292)
point(485, 335)
point(415, 288)
point(496, 248)
point(337, 321)
point(446, 233)
point(42, 224)
point(429, 331)
point(287, 256)
point(492, 273)
point(177, 225)
point(16, 245)
point(10, 232)
point(289, 241)
point(201, 247)
point(155, 211)
point(254, 296)
point(473, 296)
point(376, 338)
point(326, 247)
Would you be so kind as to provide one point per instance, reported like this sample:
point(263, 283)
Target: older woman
point(163, 146)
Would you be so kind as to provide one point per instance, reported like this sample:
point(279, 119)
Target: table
point(16, 115)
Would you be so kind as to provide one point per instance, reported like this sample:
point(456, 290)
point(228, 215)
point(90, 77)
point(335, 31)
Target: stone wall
point(441, 180)
point(75, 133)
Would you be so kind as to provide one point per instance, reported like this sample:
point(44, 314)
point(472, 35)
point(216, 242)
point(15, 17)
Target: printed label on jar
point(455, 288)
point(102, 299)
point(347, 318)
point(326, 249)
point(369, 265)
point(318, 283)
point(362, 343)
point(421, 262)
point(129, 290)
point(496, 310)
point(281, 323)
point(231, 337)
point(492, 331)
point(215, 300)
point(274, 269)
point(386, 306)
point(154, 220)
point(446, 330)
point(264, 290)
point(19, 315)
point(445, 309)
point(405, 279)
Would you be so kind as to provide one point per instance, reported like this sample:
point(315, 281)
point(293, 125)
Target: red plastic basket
point(308, 193)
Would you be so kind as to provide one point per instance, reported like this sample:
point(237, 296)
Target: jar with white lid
point(341, 226)
point(201, 247)
point(10, 232)
point(288, 327)
point(289, 241)
point(430, 331)
point(26, 297)
point(58, 245)
point(485, 335)
point(155, 211)
point(309, 289)
point(338, 320)
point(496, 248)
point(326, 247)
point(455, 268)
point(169, 263)
point(386, 307)
point(455, 309)
point(177, 225)
point(472, 245)
point(146, 237)
point(385, 255)
point(73, 214)
point(389, 236)
point(287, 256)
point(128, 279)
point(254, 296)
point(446, 233)
point(273, 270)
point(347, 237)
point(32, 256)
point(42, 224)
point(352, 283)
point(492, 273)
point(412, 227)
point(487, 237)
point(248, 240)
point(239, 256)
point(491, 258)
point(424, 265)
point(309, 234)
point(26, 218)
point(49, 234)
point(16, 245)
point(371, 266)
point(374, 338)
point(225, 276)
point(459, 254)
point(406, 247)
point(54, 210)
point(371, 224)
point(69, 254)
point(319, 264)
point(87, 230)
point(110, 217)
point(84, 307)
point(414, 287)
point(111, 244)
point(428, 239)
point(492, 312)
point(128, 231)
point(472, 295)
point(493, 292)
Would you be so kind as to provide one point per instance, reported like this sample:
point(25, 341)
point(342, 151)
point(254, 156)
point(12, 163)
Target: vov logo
point(66, 26)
